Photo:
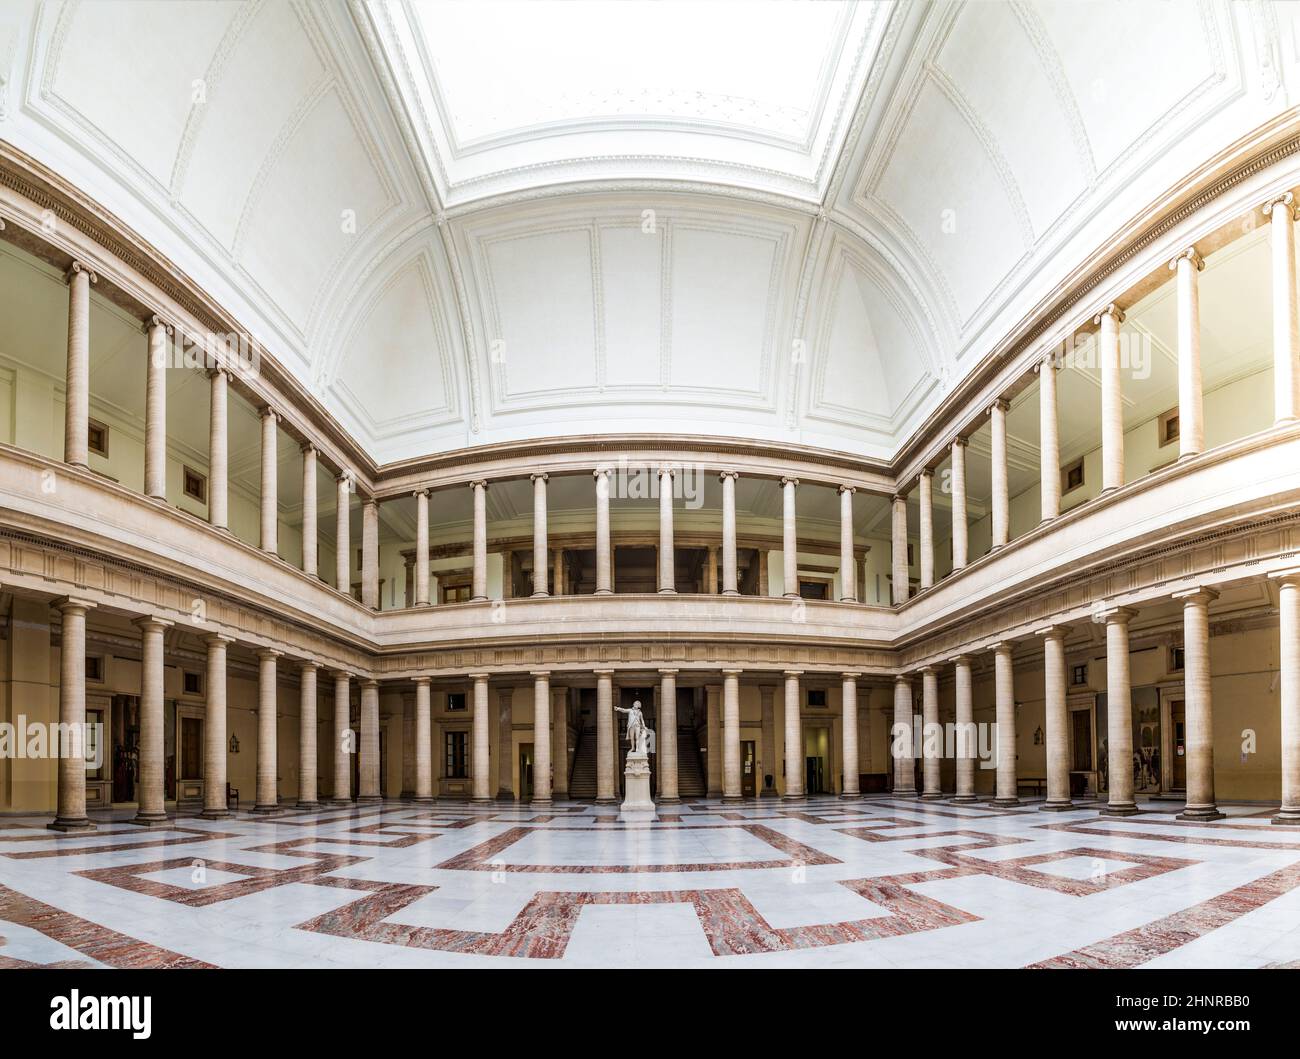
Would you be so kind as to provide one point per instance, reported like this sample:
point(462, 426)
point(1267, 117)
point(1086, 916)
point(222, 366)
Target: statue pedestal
point(637, 803)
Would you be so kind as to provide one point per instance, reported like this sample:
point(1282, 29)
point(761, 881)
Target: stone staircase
point(582, 779)
point(690, 766)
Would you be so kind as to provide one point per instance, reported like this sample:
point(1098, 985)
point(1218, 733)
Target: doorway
point(1178, 719)
point(525, 772)
point(816, 741)
point(748, 771)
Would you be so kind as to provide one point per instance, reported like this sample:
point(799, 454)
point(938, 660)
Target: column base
point(216, 814)
point(1056, 807)
point(669, 799)
point(338, 801)
point(1201, 812)
point(266, 809)
point(370, 799)
point(539, 595)
point(482, 799)
point(932, 796)
point(541, 803)
point(732, 799)
point(850, 796)
point(424, 799)
point(1120, 809)
point(71, 823)
point(910, 792)
point(667, 591)
point(1287, 815)
point(1006, 803)
point(603, 592)
point(730, 592)
point(607, 801)
point(151, 820)
point(963, 799)
point(308, 805)
point(796, 797)
point(789, 595)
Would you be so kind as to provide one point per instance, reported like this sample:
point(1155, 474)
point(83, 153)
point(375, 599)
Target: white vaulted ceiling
point(460, 223)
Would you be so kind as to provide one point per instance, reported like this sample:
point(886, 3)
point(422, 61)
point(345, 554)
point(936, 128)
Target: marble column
point(604, 579)
point(1286, 316)
point(960, 535)
point(789, 538)
point(1056, 721)
point(270, 496)
point(1288, 606)
point(307, 780)
point(155, 409)
point(342, 533)
point(1004, 691)
point(150, 791)
point(218, 449)
point(666, 740)
point(1000, 519)
point(713, 747)
point(541, 552)
point(268, 789)
point(370, 554)
point(966, 741)
point(606, 784)
point(368, 779)
point(931, 755)
point(76, 415)
point(215, 804)
point(423, 741)
point(310, 534)
point(898, 546)
point(344, 740)
point(422, 547)
point(730, 586)
point(480, 755)
point(902, 739)
point(1112, 397)
point(1199, 716)
point(1191, 412)
point(480, 541)
point(1049, 444)
point(849, 788)
point(505, 744)
point(541, 737)
point(925, 487)
point(667, 561)
point(767, 706)
point(848, 566)
point(794, 755)
point(1119, 714)
point(560, 751)
point(731, 735)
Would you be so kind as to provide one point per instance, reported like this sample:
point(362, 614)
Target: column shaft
point(368, 778)
point(76, 415)
point(966, 741)
point(667, 561)
point(1004, 690)
point(794, 753)
point(959, 528)
point(1191, 412)
point(1056, 720)
point(667, 735)
point(423, 741)
point(307, 756)
point(215, 804)
point(310, 533)
point(898, 545)
point(731, 735)
point(342, 533)
point(541, 738)
point(540, 551)
point(1000, 519)
point(150, 791)
point(422, 548)
point(931, 749)
point(370, 554)
point(604, 580)
point(155, 410)
point(1286, 314)
point(849, 787)
point(218, 450)
point(925, 484)
point(270, 506)
point(848, 567)
point(1119, 715)
point(1112, 398)
point(481, 759)
point(344, 740)
point(1049, 445)
point(789, 538)
point(605, 749)
point(1288, 605)
point(730, 586)
point(1199, 716)
point(480, 541)
point(268, 789)
point(902, 738)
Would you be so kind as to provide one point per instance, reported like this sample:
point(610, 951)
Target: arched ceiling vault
point(461, 223)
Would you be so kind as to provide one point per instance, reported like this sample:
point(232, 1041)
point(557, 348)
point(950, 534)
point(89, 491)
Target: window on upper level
point(1167, 428)
point(456, 700)
point(1072, 476)
point(195, 485)
point(97, 438)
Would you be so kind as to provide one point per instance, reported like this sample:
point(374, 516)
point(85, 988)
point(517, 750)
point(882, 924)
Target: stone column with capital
point(1191, 413)
point(606, 786)
point(370, 554)
point(1199, 715)
point(898, 544)
point(666, 736)
point(767, 706)
point(218, 449)
point(344, 740)
point(1112, 397)
point(1281, 212)
point(789, 538)
point(931, 753)
point(541, 737)
point(966, 736)
point(1056, 721)
point(925, 490)
point(713, 747)
point(848, 566)
point(604, 557)
point(1049, 445)
point(268, 788)
point(480, 541)
point(540, 550)
point(342, 533)
point(307, 757)
point(368, 780)
point(480, 755)
point(1119, 714)
point(1288, 606)
point(1000, 517)
point(667, 561)
point(270, 497)
point(960, 531)
point(421, 548)
point(1004, 690)
point(901, 738)
point(730, 584)
point(849, 788)
point(794, 755)
point(423, 741)
point(155, 409)
point(151, 791)
point(76, 416)
point(310, 533)
point(731, 735)
point(215, 804)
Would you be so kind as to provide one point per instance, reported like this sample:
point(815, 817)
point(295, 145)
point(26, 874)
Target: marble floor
point(880, 882)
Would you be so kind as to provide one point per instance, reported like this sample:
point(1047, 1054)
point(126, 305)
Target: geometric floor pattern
point(880, 882)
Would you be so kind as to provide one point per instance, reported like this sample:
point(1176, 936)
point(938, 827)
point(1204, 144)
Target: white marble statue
point(638, 735)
